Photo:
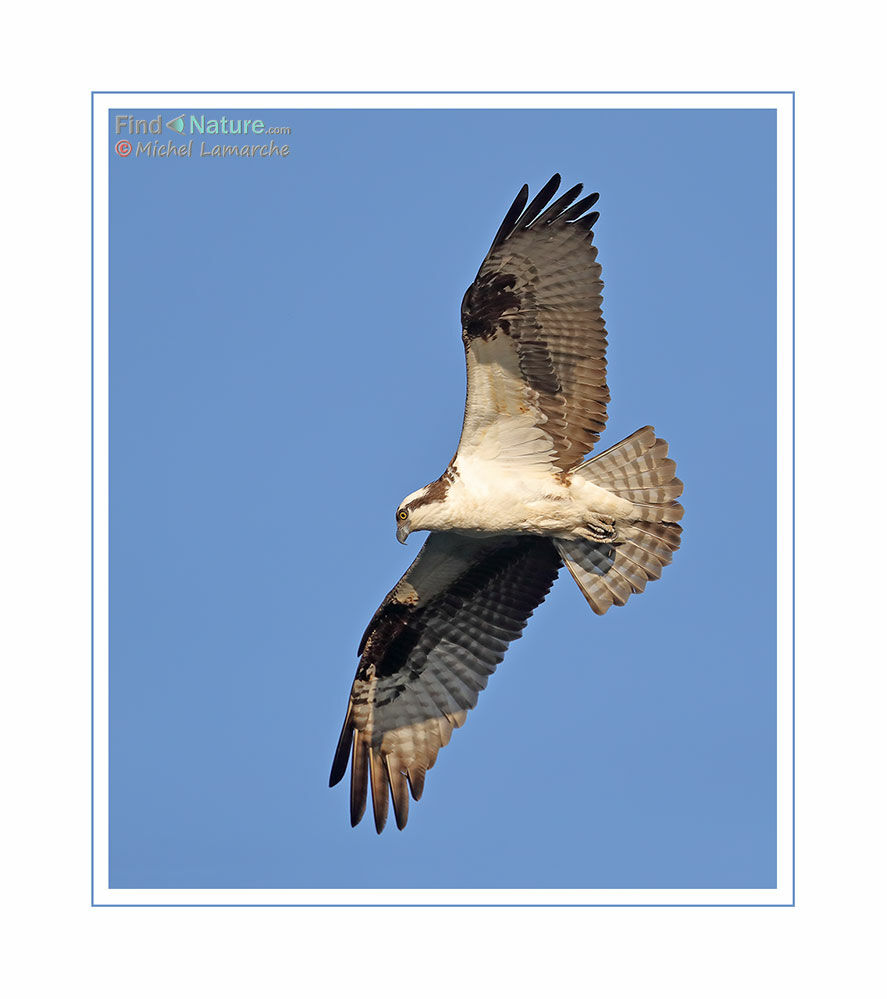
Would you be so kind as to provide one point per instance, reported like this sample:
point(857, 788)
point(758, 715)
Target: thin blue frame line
point(92, 500)
point(440, 905)
point(794, 556)
point(450, 92)
point(584, 905)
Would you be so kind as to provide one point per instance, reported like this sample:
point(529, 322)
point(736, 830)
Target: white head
point(420, 511)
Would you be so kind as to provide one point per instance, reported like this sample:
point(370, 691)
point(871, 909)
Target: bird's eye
point(401, 515)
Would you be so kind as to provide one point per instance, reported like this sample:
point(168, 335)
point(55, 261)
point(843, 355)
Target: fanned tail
point(637, 469)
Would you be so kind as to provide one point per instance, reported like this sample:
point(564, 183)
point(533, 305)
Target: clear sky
point(286, 365)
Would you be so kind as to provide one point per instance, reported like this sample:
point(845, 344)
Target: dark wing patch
point(486, 302)
point(428, 653)
point(540, 288)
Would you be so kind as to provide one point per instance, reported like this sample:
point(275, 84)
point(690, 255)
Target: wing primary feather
point(588, 221)
point(400, 795)
point(581, 206)
point(511, 216)
point(379, 785)
point(343, 747)
point(359, 778)
point(538, 203)
point(554, 210)
point(416, 777)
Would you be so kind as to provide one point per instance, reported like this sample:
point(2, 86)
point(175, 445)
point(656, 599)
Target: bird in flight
point(518, 501)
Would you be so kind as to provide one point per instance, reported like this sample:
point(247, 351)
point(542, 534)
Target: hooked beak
point(403, 532)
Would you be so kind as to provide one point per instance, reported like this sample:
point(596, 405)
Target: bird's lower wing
point(427, 654)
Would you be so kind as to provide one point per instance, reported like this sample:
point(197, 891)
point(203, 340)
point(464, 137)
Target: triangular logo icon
point(177, 124)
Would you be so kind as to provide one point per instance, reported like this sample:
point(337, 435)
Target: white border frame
point(783, 893)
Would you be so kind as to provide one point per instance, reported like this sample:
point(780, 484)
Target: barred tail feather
point(609, 572)
point(637, 469)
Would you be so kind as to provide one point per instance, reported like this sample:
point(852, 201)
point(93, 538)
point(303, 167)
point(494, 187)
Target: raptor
point(519, 500)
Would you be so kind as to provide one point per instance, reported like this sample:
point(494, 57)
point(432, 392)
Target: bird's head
point(421, 511)
point(407, 515)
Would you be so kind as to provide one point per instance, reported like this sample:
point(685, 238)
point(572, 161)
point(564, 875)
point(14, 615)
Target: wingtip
point(359, 780)
point(416, 779)
point(343, 748)
point(357, 813)
point(530, 213)
point(378, 790)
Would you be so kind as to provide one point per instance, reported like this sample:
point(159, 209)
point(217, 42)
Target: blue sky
point(286, 365)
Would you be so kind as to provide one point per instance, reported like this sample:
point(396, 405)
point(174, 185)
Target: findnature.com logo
point(186, 124)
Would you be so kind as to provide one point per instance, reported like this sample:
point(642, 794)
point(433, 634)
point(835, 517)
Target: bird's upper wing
point(535, 341)
point(427, 654)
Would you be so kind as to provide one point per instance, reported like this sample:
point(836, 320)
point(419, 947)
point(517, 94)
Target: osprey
point(517, 501)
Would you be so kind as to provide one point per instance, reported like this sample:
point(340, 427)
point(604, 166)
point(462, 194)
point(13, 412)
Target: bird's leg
point(601, 528)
